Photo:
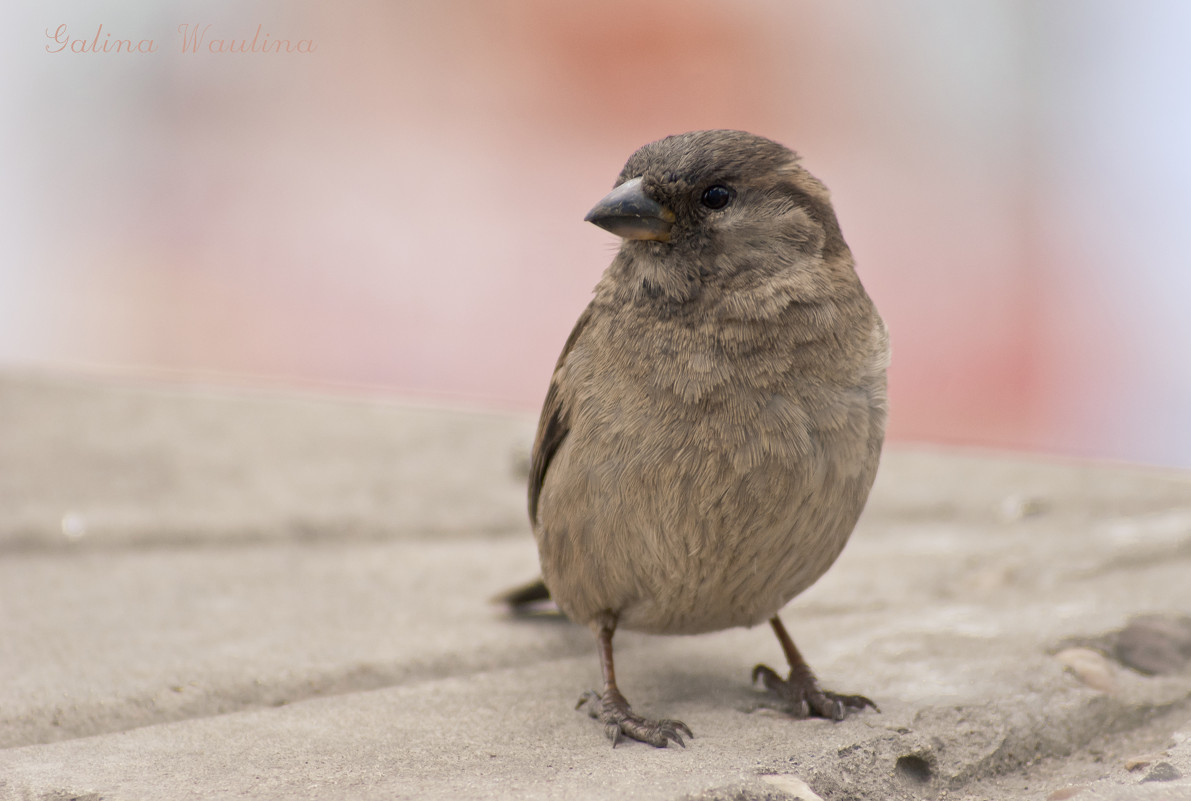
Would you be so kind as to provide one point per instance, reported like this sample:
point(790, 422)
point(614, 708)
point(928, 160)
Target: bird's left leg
point(612, 709)
point(801, 689)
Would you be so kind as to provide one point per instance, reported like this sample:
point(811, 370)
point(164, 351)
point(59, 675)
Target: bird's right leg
point(801, 689)
point(611, 708)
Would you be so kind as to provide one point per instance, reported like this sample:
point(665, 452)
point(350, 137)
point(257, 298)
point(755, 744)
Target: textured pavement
point(216, 594)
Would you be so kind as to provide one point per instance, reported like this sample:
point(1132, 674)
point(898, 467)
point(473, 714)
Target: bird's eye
point(716, 197)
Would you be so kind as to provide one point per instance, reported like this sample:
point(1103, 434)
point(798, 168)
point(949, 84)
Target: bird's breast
point(713, 486)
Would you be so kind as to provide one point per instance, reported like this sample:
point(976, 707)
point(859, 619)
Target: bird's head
point(720, 207)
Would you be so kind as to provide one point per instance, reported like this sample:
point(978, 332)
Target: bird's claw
point(620, 721)
point(806, 698)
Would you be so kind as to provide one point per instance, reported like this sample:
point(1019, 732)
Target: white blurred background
point(400, 211)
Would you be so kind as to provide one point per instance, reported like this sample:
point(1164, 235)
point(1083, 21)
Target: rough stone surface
point(209, 594)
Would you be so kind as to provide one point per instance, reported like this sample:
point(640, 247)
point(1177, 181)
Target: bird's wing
point(554, 424)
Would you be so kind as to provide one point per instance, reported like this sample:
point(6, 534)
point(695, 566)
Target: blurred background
point(399, 212)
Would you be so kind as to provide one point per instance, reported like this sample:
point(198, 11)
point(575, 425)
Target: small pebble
point(1163, 772)
point(1019, 507)
point(1139, 762)
point(1156, 645)
point(794, 786)
point(1090, 667)
point(1066, 792)
point(74, 526)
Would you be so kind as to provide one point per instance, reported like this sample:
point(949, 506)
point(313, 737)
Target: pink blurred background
point(400, 211)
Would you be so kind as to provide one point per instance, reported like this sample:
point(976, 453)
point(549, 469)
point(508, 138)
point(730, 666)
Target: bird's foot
point(619, 721)
point(805, 697)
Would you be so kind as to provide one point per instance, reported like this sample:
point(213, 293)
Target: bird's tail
point(528, 600)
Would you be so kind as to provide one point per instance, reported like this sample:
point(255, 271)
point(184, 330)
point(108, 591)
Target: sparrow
point(714, 423)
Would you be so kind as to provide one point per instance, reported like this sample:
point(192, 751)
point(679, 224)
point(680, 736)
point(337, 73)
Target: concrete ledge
point(209, 594)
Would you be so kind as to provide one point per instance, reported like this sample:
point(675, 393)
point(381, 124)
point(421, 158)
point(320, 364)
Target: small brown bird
point(715, 420)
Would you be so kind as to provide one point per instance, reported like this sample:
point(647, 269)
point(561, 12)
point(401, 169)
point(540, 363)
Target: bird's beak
point(628, 213)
